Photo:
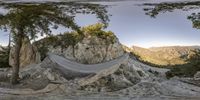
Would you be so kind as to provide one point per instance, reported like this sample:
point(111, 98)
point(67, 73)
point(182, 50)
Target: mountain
point(164, 56)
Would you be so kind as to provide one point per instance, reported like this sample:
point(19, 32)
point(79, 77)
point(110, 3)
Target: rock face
point(28, 54)
point(91, 50)
point(121, 77)
point(91, 47)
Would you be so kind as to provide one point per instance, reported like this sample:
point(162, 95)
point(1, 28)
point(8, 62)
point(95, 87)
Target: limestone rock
point(93, 45)
point(28, 54)
point(94, 50)
point(123, 76)
point(90, 50)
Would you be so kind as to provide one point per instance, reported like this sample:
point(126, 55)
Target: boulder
point(94, 50)
point(28, 54)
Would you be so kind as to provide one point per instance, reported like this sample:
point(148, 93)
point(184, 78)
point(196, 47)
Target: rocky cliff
point(92, 46)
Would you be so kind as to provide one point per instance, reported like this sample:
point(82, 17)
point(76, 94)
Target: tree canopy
point(154, 9)
point(34, 18)
point(30, 19)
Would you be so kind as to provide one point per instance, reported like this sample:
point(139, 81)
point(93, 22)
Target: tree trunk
point(9, 45)
point(15, 69)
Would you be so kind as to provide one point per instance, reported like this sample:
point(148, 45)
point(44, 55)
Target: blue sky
point(133, 27)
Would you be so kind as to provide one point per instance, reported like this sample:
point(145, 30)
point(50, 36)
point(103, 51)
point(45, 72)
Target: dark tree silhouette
point(155, 9)
point(31, 19)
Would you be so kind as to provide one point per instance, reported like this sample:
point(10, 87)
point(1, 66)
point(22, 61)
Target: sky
point(133, 27)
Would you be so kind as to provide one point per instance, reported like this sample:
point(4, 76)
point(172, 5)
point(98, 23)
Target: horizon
point(165, 46)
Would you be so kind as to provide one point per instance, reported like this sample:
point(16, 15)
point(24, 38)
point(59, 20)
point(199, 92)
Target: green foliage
point(169, 7)
point(24, 19)
point(194, 17)
point(172, 6)
point(43, 50)
point(71, 38)
point(97, 30)
point(4, 57)
point(31, 20)
point(187, 70)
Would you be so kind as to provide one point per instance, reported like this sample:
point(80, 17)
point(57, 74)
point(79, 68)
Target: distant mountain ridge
point(164, 56)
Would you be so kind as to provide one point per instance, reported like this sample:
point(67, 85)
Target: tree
point(172, 6)
point(154, 9)
point(4, 57)
point(29, 20)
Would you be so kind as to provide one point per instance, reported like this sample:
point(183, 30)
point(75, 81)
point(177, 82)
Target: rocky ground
point(129, 80)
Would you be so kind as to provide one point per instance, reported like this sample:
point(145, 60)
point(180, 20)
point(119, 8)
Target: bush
point(71, 38)
point(186, 70)
point(4, 57)
point(97, 30)
point(43, 50)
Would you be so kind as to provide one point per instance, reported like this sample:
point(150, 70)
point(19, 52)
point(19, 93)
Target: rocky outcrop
point(91, 50)
point(123, 76)
point(91, 47)
point(28, 54)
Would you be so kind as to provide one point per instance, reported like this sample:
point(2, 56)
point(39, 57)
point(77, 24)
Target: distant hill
point(165, 56)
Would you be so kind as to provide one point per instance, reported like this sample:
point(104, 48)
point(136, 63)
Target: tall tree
point(29, 19)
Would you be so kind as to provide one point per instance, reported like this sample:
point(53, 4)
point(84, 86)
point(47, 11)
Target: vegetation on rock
point(96, 30)
point(72, 38)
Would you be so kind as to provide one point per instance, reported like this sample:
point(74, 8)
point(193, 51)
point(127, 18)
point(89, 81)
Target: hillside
point(165, 56)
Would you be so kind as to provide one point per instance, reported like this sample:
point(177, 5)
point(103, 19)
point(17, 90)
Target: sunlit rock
point(28, 54)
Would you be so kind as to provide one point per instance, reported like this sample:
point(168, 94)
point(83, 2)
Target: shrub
point(97, 30)
point(186, 70)
point(43, 50)
point(4, 57)
point(71, 38)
